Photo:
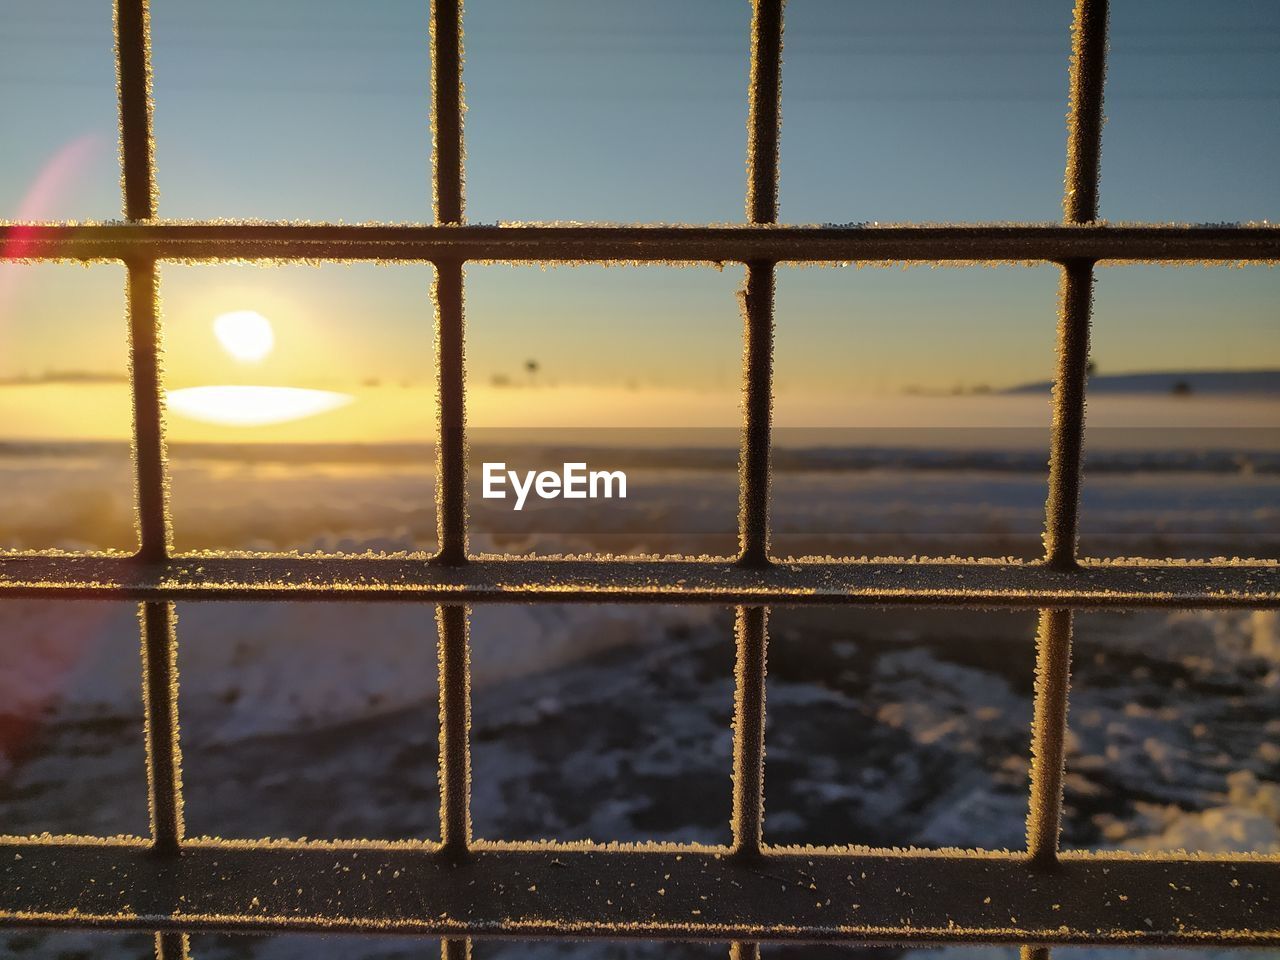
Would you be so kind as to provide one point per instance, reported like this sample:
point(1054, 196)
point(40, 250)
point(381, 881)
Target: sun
point(245, 334)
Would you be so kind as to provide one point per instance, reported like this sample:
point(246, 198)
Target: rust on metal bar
point(523, 891)
point(972, 583)
point(920, 243)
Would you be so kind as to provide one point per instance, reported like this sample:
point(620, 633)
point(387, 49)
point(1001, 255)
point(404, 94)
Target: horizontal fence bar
point(712, 244)
point(693, 894)
point(522, 580)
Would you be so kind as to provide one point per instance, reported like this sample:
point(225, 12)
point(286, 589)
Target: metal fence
point(742, 894)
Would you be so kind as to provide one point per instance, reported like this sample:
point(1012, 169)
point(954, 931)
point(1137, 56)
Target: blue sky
point(898, 110)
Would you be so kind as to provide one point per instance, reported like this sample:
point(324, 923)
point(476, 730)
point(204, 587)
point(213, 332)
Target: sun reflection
point(241, 406)
point(247, 336)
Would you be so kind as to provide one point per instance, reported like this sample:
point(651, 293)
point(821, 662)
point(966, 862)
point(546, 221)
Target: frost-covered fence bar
point(171, 945)
point(1066, 445)
point(751, 631)
point(447, 180)
point(452, 619)
point(959, 583)
point(1080, 207)
point(520, 891)
point(159, 643)
point(747, 817)
point(741, 894)
point(455, 730)
point(763, 120)
point(916, 243)
point(138, 182)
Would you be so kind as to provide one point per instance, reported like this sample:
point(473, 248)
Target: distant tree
point(1182, 389)
point(1091, 368)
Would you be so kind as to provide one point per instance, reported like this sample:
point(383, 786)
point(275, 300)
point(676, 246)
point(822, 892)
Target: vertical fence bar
point(748, 730)
point(751, 628)
point(455, 679)
point(159, 644)
point(138, 181)
point(764, 114)
point(446, 109)
point(451, 455)
point(1048, 735)
point(763, 121)
point(148, 412)
point(1080, 205)
point(1062, 511)
point(455, 725)
point(1084, 132)
point(133, 75)
point(160, 695)
point(753, 503)
point(447, 188)
point(171, 945)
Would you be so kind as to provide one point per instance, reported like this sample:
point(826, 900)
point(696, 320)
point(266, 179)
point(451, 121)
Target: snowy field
point(891, 727)
point(888, 501)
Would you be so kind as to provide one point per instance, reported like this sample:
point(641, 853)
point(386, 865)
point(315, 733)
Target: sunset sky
point(618, 111)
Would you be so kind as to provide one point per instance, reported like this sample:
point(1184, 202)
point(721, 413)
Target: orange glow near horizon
point(248, 337)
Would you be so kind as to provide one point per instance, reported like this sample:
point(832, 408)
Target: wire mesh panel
point(747, 891)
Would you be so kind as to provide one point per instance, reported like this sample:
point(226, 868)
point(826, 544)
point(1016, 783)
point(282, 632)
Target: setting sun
point(245, 334)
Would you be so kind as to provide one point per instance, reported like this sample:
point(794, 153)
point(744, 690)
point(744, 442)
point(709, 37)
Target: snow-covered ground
point(885, 727)
point(881, 501)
